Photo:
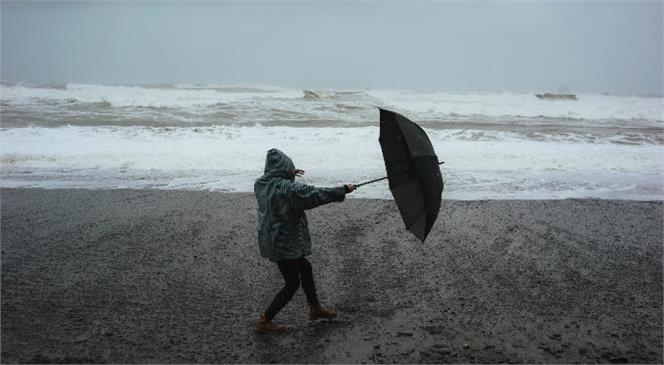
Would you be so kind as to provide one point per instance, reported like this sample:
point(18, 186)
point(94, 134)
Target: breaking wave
point(478, 165)
point(200, 99)
point(214, 137)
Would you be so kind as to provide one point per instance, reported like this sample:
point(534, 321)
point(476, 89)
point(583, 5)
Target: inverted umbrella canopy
point(413, 172)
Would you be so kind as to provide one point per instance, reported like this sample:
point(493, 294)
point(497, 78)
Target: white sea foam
point(231, 158)
point(336, 104)
point(589, 106)
point(214, 137)
point(137, 96)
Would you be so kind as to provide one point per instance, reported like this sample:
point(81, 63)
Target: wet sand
point(175, 277)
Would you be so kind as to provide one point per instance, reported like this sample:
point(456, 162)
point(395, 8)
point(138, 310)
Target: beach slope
point(138, 276)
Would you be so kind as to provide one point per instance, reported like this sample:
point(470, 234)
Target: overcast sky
point(584, 46)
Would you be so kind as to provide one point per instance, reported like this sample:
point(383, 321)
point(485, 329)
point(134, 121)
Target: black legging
point(293, 271)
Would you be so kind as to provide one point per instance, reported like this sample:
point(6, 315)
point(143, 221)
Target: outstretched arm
point(309, 197)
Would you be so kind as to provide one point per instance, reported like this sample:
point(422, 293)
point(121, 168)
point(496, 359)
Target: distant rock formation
point(550, 96)
point(308, 94)
point(322, 94)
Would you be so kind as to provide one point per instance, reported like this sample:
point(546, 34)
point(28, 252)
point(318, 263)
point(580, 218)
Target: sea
point(494, 145)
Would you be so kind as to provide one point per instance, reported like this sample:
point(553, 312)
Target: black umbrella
point(413, 172)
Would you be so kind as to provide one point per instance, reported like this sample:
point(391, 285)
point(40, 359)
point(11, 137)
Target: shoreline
point(652, 198)
point(138, 276)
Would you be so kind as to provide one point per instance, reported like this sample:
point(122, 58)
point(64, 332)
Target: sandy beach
point(144, 276)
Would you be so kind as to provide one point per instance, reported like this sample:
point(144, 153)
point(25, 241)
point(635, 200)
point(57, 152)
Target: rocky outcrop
point(550, 96)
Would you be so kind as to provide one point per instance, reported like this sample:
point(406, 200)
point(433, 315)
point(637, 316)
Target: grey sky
point(611, 47)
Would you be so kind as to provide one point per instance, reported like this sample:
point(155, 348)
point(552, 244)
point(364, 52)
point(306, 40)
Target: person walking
point(283, 234)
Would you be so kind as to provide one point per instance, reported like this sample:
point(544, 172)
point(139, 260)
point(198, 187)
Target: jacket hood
point(279, 164)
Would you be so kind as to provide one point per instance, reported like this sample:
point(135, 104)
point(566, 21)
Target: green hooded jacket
point(282, 225)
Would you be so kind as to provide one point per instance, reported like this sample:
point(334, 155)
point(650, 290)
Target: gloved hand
point(349, 188)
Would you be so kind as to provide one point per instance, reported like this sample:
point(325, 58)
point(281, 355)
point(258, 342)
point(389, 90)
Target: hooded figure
point(283, 233)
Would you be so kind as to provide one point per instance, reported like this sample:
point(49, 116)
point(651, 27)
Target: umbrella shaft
point(386, 177)
point(373, 181)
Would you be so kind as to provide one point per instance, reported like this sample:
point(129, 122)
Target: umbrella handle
point(386, 177)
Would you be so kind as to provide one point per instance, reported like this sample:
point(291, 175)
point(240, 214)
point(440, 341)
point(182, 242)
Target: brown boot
point(265, 325)
point(318, 311)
